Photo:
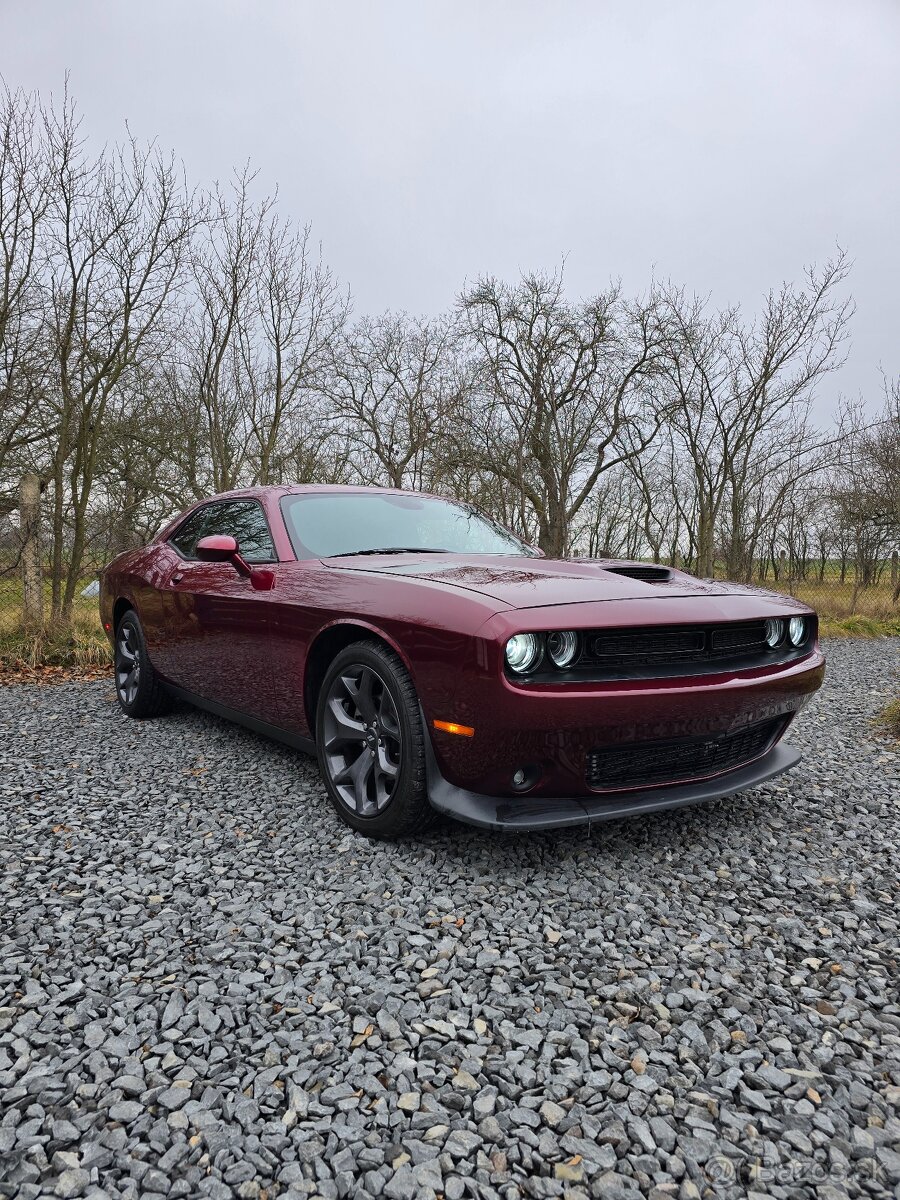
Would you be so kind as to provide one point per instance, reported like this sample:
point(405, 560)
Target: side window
point(188, 533)
point(245, 521)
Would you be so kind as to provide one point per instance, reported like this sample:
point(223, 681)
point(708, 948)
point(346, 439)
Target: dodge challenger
point(435, 662)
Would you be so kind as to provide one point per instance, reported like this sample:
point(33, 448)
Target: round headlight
point(797, 631)
point(523, 652)
point(562, 647)
point(774, 632)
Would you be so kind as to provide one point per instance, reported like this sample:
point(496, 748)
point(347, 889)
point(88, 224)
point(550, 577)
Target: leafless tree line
point(159, 343)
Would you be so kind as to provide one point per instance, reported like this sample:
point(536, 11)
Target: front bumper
point(533, 812)
point(555, 730)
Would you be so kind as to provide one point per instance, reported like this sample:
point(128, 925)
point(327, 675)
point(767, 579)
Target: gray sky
point(723, 145)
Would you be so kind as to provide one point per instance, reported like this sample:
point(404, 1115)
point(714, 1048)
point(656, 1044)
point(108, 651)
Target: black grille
point(740, 638)
point(662, 647)
point(647, 764)
point(647, 574)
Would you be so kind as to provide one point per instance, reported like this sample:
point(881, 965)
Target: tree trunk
point(30, 526)
point(554, 534)
point(705, 545)
point(58, 534)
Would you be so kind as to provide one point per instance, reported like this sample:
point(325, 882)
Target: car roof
point(297, 489)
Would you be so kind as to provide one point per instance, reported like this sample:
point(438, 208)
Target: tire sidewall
point(396, 814)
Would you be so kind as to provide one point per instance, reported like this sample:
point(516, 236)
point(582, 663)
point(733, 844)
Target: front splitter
point(557, 812)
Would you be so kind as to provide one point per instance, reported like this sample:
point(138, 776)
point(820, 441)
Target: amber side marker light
point(452, 727)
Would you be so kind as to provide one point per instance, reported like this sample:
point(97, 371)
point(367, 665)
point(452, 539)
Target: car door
point(217, 623)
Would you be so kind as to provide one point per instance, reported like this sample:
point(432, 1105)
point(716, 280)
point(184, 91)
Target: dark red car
point(434, 661)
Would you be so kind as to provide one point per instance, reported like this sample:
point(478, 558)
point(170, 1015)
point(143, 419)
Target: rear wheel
point(371, 743)
point(138, 688)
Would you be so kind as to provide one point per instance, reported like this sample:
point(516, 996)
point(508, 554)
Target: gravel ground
point(210, 988)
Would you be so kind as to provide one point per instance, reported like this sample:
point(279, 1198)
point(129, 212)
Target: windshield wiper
point(393, 550)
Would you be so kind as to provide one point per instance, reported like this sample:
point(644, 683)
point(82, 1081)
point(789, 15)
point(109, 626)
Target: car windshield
point(331, 524)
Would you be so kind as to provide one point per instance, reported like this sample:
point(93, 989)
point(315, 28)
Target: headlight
point(523, 652)
point(562, 648)
point(797, 631)
point(774, 631)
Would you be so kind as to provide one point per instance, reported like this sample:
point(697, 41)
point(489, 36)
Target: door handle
point(178, 576)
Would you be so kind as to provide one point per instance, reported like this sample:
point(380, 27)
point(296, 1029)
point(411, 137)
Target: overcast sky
point(723, 145)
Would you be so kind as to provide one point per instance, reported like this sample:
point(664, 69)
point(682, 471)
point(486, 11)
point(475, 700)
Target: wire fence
point(847, 600)
point(49, 611)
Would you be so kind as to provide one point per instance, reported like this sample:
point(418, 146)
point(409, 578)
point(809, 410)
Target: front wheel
point(138, 689)
point(370, 743)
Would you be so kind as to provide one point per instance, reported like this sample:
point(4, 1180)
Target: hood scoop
point(647, 574)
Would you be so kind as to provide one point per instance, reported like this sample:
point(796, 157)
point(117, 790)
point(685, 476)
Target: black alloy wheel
point(128, 663)
point(362, 741)
point(138, 688)
point(370, 742)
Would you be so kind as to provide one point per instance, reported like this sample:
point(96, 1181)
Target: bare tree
point(657, 499)
point(866, 492)
point(609, 524)
point(25, 181)
point(114, 258)
point(567, 391)
point(741, 386)
point(395, 383)
point(213, 384)
point(287, 345)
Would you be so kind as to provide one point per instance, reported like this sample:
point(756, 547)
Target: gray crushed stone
point(210, 988)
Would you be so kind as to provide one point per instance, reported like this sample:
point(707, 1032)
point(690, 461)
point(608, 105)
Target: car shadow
point(491, 852)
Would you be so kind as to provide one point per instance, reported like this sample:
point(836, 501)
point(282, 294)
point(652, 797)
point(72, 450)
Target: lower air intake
point(653, 764)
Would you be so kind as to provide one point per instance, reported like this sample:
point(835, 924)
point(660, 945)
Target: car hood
point(539, 582)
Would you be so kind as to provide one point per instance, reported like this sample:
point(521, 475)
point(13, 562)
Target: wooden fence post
point(786, 574)
point(30, 528)
point(895, 575)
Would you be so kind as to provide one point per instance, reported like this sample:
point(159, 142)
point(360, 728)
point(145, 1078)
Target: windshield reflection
point(333, 524)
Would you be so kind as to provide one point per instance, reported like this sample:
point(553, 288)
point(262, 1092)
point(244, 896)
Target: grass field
point(85, 645)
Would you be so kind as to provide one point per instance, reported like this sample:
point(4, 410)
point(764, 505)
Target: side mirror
point(539, 552)
point(218, 547)
point(221, 547)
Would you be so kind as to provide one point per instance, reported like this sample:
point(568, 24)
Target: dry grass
point(860, 627)
point(79, 648)
point(889, 718)
point(83, 645)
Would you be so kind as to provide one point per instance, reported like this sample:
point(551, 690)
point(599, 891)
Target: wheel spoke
point(360, 691)
point(355, 778)
point(390, 726)
point(365, 763)
point(340, 726)
point(385, 705)
point(384, 766)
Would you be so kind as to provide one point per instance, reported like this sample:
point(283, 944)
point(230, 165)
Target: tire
point(138, 688)
point(370, 743)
